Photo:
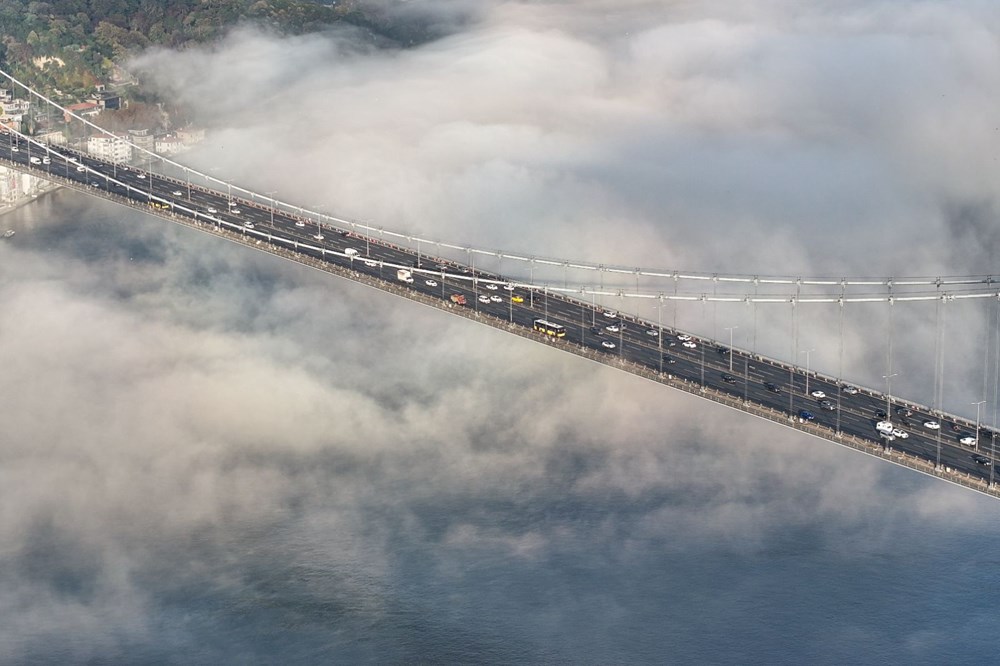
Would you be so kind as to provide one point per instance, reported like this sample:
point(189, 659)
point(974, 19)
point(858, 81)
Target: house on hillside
point(82, 109)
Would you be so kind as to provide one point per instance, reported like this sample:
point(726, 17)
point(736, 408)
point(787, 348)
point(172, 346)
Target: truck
point(404, 275)
point(458, 299)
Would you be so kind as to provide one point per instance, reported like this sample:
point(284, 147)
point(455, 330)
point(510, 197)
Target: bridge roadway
point(743, 377)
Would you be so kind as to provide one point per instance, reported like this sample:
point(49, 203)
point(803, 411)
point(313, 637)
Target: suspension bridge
point(606, 313)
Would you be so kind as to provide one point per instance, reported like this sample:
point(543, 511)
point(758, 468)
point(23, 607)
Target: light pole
point(888, 395)
point(731, 329)
point(807, 352)
point(272, 194)
point(978, 405)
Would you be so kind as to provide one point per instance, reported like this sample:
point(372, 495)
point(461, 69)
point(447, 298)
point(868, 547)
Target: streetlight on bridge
point(807, 352)
point(978, 405)
point(731, 329)
point(888, 395)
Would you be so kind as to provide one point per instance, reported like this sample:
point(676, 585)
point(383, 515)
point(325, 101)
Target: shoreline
point(43, 190)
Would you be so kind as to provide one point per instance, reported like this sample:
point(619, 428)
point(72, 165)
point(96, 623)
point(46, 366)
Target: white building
point(169, 145)
point(111, 147)
point(15, 185)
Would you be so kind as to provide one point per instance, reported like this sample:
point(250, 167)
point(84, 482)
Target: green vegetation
point(71, 45)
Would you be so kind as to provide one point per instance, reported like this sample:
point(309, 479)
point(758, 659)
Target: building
point(53, 137)
point(82, 109)
point(142, 138)
point(168, 144)
point(111, 147)
point(106, 99)
point(191, 136)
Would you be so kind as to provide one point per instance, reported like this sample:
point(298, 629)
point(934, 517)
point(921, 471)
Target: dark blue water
point(210, 457)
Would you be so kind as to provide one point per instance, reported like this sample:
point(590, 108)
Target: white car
point(371, 263)
point(46, 160)
point(484, 299)
point(683, 337)
point(319, 237)
point(902, 434)
point(689, 344)
point(968, 440)
point(140, 175)
point(508, 287)
point(491, 286)
point(81, 168)
point(652, 332)
point(818, 394)
point(351, 252)
point(234, 211)
point(431, 283)
point(933, 425)
point(849, 390)
point(614, 328)
point(495, 299)
point(15, 149)
point(177, 193)
point(610, 314)
point(212, 210)
point(248, 224)
point(607, 344)
point(300, 224)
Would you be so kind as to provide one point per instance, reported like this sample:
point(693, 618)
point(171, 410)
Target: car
point(902, 434)
point(818, 394)
point(880, 414)
point(46, 160)
point(597, 330)
point(516, 298)
point(15, 149)
point(495, 299)
point(903, 411)
point(508, 287)
point(956, 428)
point(95, 184)
point(319, 237)
point(81, 168)
point(967, 440)
point(212, 210)
point(484, 299)
point(35, 160)
point(690, 345)
point(652, 333)
point(248, 224)
point(350, 252)
point(887, 436)
point(610, 314)
point(300, 223)
point(805, 415)
point(884, 426)
point(827, 405)
point(607, 344)
point(669, 359)
point(233, 204)
point(982, 460)
point(683, 337)
point(614, 328)
point(371, 263)
point(722, 351)
point(234, 211)
point(772, 387)
point(491, 286)
point(431, 283)
point(177, 193)
point(728, 378)
point(932, 425)
point(140, 175)
point(849, 390)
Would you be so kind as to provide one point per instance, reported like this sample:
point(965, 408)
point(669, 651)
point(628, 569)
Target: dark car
point(826, 404)
point(772, 387)
point(669, 359)
point(728, 378)
point(903, 411)
point(724, 351)
point(982, 460)
point(806, 415)
point(880, 414)
point(597, 330)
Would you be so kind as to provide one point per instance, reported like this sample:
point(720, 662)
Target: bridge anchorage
point(608, 314)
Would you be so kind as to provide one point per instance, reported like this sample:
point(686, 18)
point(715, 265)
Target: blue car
point(806, 416)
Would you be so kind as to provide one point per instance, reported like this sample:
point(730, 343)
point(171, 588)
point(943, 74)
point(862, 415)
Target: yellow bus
point(548, 328)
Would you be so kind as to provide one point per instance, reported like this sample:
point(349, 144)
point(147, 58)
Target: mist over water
point(210, 456)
